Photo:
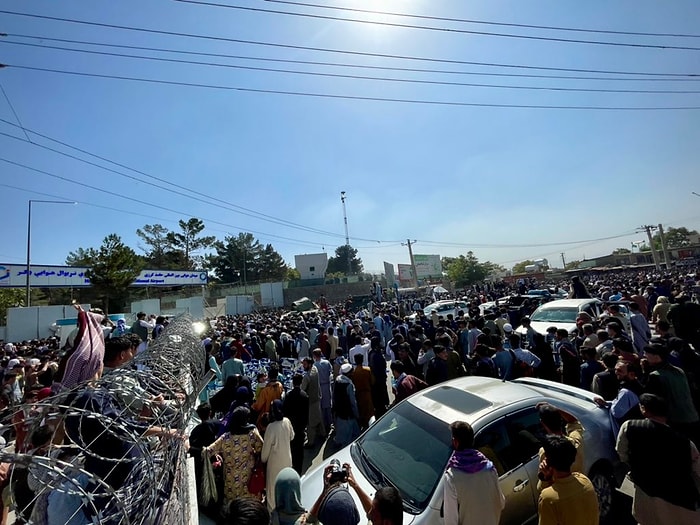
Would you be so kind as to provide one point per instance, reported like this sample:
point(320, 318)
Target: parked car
point(444, 308)
point(408, 448)
point(562, 313)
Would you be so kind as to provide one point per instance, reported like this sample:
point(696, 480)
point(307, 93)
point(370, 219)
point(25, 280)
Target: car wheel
point(605, 489)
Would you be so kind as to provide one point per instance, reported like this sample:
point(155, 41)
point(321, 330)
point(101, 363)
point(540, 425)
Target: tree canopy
point(9, 298)
point(675, 237)
point(466, 270)
point(243, 257)
point(339, 262)
point(520, 267)
point(113, 267)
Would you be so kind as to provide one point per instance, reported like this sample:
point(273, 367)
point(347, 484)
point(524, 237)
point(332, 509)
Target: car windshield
point(556, 315)
point(408, 449)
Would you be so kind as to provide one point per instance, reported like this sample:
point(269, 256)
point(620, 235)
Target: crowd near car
point(408, 448)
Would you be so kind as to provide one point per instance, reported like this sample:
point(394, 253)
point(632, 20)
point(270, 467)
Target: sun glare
point(373, 11)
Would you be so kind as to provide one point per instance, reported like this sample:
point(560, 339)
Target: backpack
point(519, 367)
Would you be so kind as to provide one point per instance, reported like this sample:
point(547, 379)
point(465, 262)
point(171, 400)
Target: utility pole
point(347, 235)
point(667, 257)
point(563, 260)
point(245, 277)
point(654, 255)
point(409, 243)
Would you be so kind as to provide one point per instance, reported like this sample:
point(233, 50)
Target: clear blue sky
point(462, 178)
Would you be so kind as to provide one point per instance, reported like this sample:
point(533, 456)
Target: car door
point(512, 444)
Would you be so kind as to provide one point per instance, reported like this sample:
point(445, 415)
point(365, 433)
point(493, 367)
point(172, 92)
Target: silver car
point(444, 308)
point(409, 446)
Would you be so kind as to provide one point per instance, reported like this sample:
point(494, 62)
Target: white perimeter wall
point(35, 322)
point(272, 295)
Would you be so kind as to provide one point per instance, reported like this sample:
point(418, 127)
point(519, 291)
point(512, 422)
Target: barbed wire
point(111, 451)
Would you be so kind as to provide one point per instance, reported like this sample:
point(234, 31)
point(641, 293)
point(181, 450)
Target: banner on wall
point(15, 276)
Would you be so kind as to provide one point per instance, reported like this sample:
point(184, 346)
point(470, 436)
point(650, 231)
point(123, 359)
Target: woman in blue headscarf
point(276, 451)
point(288, 508)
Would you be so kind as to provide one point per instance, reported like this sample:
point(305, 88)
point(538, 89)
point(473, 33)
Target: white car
point(444, 308)
point(563, 314)
point(409, 446)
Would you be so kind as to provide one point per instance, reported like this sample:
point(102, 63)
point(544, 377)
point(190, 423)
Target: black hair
point(560, 453)
point(297, 379)
point(514, 340)
point(244, 511)
point(655, 405)
point(115, 346)
point(273, 373)
point(398, 366)
point(204, 412)
point(623, 345)
point(463, 433)
point(551, 418)
point(359, 358)
point(389, 504)
point(609, 360)
point(41, 436)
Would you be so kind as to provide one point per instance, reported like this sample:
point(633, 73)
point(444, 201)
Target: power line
point(538, 245)
point(166, 188)
point(485, 22)
point(354, 97)
point(147, 203)
point(122, 211)
point(232, 207)
point(439, 29)
point(363, 77)
point(680, 78)
point(339, 51)
point(12, 108)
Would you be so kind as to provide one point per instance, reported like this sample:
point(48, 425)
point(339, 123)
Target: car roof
point(568, 303)
point(470, 398)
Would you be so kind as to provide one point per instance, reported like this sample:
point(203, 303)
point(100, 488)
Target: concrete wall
point(272, 295)
point(239, 304)
point(35, 322)
point(148, 306)
point(334, 293)
point(193, 306)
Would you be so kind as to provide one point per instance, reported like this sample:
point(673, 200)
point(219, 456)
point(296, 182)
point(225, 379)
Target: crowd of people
point(296, 381)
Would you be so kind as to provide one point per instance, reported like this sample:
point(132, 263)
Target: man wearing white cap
point(347, 427)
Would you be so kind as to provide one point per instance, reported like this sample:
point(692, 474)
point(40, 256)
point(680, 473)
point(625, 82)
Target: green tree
point(243, 257)
point(675, 237)
point(572, 265)
point(233, 258)
point(81, 257)
point(188, 241)
point(339, 263)
point(159, 251)
point(271, 265)
point(520, 267)
point(466, 270)
point(292, 274)
point(113, 267)
point(9, 298)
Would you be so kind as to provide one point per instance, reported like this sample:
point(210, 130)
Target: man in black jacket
point(664, 466)
point(296, 409)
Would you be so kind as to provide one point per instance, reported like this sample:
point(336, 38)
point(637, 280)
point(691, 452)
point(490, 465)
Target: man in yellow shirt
point(570, 498)
point(558, 422)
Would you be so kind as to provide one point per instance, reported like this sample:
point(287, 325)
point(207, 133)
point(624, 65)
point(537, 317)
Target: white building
point(312, 265)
